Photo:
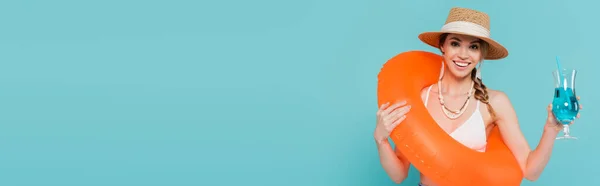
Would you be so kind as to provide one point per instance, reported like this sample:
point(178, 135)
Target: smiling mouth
point(461, 64)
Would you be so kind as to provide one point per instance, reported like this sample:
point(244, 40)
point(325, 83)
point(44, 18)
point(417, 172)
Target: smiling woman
point(451, 46)
point(464, 42)
point(461, 54)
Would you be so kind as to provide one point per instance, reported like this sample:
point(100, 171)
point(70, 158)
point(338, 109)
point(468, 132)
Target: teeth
point(461, 64)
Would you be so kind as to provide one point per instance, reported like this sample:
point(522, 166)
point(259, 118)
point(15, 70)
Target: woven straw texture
point(465, 14)
point(495, 51)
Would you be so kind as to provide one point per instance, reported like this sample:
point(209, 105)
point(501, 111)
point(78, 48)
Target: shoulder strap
point(427, 96)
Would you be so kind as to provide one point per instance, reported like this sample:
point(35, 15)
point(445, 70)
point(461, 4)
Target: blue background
point(260, 92)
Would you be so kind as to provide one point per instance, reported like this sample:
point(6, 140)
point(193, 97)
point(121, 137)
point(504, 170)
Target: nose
point(463, 53)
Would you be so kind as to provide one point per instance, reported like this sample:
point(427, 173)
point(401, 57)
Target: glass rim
point(565, 71)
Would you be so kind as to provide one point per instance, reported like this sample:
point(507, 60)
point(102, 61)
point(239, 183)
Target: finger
point(393, 107)
point(381, 108)
point(578, 98)
point(384, 105)
point(389, 122)
point(580, 107)
point(578, 115)
point(398, 112)
point(396, 122)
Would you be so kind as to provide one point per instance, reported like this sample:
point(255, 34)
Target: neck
point(455, 86)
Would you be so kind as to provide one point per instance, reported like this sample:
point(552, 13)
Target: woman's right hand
point(388, 117)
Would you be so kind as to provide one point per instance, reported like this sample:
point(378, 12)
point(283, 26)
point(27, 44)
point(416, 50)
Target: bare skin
point(461, 54)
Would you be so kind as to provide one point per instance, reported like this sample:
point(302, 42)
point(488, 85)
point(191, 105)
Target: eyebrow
point(476, 41)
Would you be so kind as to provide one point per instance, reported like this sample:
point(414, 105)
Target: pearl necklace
point(453, 114)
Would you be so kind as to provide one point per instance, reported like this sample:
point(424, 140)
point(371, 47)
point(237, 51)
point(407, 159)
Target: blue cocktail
point(565, 105)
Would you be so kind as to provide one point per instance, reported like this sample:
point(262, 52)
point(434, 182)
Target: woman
point(464, 42)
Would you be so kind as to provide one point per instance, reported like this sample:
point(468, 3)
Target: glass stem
point(566, 130)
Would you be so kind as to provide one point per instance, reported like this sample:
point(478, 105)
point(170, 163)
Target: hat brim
point(495, 49)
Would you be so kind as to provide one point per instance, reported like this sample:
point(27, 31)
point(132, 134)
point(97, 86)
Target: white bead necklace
point(453, 114)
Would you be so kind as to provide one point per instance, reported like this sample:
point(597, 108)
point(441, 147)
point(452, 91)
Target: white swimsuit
point(472, 132)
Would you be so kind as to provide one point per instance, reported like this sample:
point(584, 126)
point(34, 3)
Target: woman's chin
point(460, 74)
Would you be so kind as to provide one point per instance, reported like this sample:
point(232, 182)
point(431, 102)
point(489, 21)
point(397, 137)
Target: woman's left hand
point(552, 123)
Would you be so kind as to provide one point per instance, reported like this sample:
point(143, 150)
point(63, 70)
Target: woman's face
point(461, 53)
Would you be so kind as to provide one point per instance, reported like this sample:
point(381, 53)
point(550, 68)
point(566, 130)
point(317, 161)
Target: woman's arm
point(532, 162)
point(388, 117)
point(394, 163)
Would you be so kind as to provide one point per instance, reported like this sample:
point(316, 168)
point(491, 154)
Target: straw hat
point(467, 22)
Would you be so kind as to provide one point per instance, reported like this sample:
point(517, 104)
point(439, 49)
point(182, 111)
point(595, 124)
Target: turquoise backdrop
point(259, 92)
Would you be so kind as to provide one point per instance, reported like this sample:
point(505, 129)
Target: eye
point(474, 47)
point(454, 43)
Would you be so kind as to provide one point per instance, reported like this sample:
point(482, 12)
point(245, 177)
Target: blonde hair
point(481, 92)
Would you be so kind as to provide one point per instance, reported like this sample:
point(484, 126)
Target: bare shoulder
point(502, 106)
point(498, 98)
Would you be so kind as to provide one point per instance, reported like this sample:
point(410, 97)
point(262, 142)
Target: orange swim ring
point(432, 151)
